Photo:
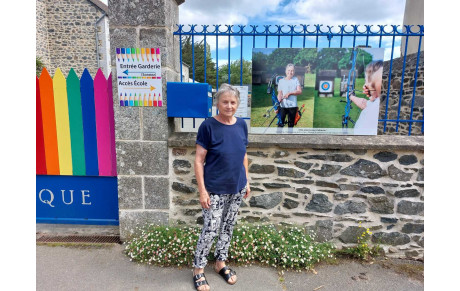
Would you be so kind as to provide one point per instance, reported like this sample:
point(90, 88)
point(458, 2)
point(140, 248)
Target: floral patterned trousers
point(219, 220)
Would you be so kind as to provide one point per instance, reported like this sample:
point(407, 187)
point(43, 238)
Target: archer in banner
point(282, 90)
point(367, 122)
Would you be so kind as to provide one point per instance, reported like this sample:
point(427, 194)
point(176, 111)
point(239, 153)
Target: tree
point(197, 58)
point(259, 61)
point(235, 72)
point(332, 59)
point(280, 57)
point(306, 57)
point(362, 59)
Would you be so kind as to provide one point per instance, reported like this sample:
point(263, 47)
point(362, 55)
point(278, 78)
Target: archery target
point(325, 87)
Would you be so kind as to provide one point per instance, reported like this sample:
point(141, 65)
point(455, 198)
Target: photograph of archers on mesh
point(282, 90)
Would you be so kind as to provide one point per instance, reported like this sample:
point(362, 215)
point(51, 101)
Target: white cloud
point(223, 11)
point(294, 12)
point(335, 12)
point(223, 62)
point(396, 53)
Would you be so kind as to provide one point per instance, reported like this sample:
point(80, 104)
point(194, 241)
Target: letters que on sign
point(48, 197)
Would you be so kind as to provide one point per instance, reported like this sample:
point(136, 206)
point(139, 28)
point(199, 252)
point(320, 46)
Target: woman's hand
point(366, 91)
point(280, 96)
point(248, 191)
point(205, 200)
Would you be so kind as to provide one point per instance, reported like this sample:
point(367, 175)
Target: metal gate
point(247, 37)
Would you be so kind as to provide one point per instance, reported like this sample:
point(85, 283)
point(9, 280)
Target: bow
point(350, 89)
point(275, 103)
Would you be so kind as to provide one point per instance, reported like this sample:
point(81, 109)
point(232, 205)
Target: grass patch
point(277, 246)
point(261, 101)
point(329, 110)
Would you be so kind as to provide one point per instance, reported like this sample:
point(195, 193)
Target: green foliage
point(306, 57)
point(362, 59)
point(363, 250)
point(280, 57)
point(285, 247)
point(329, 111)
point(197, 56)
point(39, 65)
point(261, 102)
point(324, 59)
point(259, 61)
point(235, 70)
point(333, 59)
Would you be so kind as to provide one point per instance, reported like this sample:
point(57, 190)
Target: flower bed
point(286, 247)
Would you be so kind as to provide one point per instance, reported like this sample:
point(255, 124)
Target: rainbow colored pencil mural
point(75, 124)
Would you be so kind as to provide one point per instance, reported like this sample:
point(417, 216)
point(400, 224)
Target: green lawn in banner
point(261, 101)
point(329, 110)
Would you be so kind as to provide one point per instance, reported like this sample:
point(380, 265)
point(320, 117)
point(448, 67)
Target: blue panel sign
point(77, 200)
point(189, 100)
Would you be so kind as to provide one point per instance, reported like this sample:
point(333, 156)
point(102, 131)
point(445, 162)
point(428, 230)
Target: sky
point(284, 12)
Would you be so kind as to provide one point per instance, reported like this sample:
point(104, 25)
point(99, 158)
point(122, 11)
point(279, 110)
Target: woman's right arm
point(360, 102)
point(200, 156)
point(280, 95)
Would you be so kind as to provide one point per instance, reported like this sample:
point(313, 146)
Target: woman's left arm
point(298, 91)
point(246, 166)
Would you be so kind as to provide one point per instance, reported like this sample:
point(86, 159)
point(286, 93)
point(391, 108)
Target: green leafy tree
point(362, 59)
point(198, 58)
point(235, 70)
point(332, 59)
point(306, 57)
point(280, 57)
point(259, 61)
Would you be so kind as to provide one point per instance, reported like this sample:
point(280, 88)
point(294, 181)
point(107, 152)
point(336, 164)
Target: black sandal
point(199, 283)
point(228, 275)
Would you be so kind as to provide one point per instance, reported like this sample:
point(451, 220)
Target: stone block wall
point(141, 133)
point(41, 36)
point(328, 191)
point(103, 53)
point(406, 95)
point(66, 35)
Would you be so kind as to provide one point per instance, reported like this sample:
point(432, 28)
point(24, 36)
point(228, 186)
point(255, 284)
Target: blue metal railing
point(324, 36)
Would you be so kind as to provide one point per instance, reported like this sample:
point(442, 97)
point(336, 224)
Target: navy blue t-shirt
point(224, 172)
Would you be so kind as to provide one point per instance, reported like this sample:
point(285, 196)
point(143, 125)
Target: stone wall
point(103, 54)
point(141, 133)
point(66, 35)
point(406, 95)
point(41, 36)
point(328, 191)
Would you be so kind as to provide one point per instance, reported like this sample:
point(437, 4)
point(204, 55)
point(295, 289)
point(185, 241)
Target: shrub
point(363, 250)
point(285, 247)
point(38, 66)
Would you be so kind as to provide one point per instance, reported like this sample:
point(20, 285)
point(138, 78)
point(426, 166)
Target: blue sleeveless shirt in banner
point(224, 172)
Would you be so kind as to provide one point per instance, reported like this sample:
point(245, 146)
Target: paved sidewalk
point(107, 268)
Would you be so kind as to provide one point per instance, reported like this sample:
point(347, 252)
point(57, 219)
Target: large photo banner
point(316, 90)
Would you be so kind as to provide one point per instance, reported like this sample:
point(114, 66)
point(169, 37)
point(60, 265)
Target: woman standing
point(221, 169)
point(288, 89)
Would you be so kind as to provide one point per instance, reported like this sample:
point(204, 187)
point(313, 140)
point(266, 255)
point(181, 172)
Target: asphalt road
point(107, 268)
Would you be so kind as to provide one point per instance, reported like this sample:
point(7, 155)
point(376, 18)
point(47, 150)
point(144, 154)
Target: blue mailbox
point(189, 100)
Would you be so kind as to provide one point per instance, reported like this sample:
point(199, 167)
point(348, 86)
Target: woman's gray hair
point(290, 65)
point(226, 88)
